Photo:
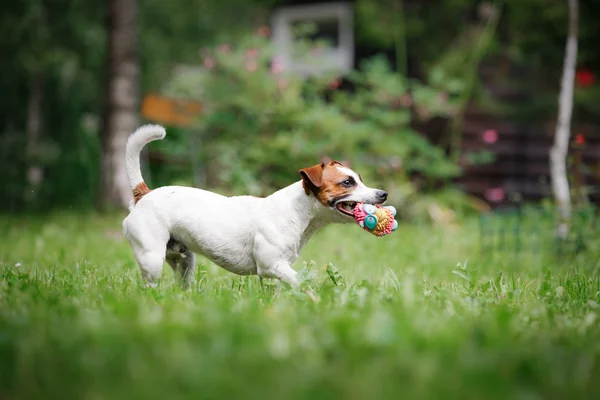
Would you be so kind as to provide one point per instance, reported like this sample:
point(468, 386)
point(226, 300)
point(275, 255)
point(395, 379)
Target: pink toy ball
point(375, 219)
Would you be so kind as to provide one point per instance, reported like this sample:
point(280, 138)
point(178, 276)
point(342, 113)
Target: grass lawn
point(401, 320)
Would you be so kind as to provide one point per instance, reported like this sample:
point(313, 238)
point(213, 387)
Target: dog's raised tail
point(135, 143)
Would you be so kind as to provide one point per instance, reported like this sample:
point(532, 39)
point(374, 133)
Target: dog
point(245, 235)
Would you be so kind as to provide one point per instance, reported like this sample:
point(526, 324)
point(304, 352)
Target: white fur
point(243, 234)
point(362, 191)
point(135, 143)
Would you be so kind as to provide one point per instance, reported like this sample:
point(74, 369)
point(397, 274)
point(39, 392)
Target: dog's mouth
point(346, 207)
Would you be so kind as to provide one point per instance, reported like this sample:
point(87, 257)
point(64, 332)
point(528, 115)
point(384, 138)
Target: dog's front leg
point(280, 270)
point(271, 263)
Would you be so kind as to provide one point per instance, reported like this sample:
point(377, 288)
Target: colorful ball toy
point(375, 219)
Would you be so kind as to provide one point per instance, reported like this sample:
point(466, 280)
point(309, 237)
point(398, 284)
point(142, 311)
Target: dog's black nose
point(382, 195)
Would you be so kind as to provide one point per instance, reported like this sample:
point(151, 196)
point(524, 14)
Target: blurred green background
point(424, 76)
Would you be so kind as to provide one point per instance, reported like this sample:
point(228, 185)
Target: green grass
point(403, 320)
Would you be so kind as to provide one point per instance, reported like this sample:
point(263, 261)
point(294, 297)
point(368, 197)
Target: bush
point(261, 124)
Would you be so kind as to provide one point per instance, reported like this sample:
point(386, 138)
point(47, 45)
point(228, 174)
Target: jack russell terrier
point(245, 235)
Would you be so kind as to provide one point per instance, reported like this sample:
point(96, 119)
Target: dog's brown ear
point(312, 178)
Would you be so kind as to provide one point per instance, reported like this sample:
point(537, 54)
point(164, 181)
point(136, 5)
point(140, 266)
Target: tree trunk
point(35, 172)
point(121, 116)
point(558, 153)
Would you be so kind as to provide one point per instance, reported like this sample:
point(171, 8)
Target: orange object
point(168, 111)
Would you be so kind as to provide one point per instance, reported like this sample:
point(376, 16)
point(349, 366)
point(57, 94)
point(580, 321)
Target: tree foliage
point(65, 40)
point(258, 117)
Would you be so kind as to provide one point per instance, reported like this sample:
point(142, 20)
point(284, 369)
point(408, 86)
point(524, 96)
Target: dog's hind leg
point(148, 241)
point(188, 269)
point(183, 262)
point(151, 264)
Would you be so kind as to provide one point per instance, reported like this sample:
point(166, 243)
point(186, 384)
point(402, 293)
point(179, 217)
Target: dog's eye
point(348, 182)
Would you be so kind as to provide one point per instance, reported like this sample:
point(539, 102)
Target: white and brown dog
point(245, 235)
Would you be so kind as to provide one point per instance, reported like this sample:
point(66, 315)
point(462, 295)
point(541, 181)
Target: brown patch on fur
point(311, 178)
point(140, 191)
point(323, 181)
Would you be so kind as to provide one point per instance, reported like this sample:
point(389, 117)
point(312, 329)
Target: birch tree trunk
point(35, 172)
point(121, 116)
point(558, 152)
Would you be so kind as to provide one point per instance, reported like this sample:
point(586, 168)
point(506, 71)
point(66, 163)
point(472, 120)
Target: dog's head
point(339, 188)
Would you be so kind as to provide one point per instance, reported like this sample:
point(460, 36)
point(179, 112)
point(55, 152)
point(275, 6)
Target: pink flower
point(251, 66)
point(495, 195)
point(490, 136)
point(334, 84)
point(252, 53)
point(406, 101)
point(264, 31)
point(224, 48)
point(276, 66)
point(209, 62)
